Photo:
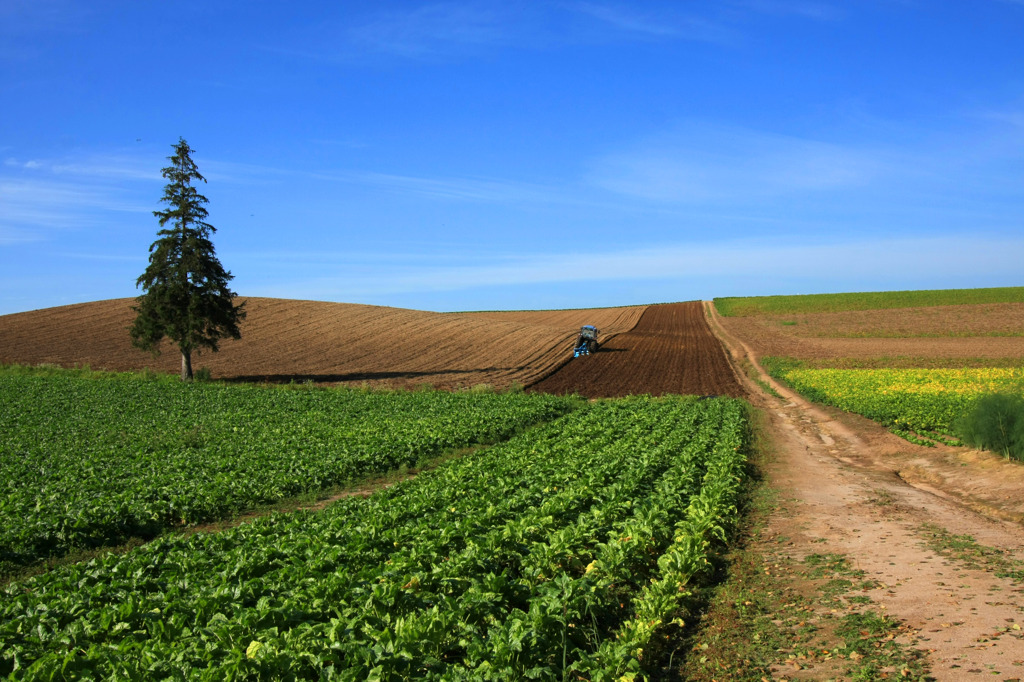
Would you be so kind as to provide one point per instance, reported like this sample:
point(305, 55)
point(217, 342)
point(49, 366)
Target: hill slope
point(285, 340)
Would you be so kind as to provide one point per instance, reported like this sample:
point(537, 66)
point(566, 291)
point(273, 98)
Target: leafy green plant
point(996, 423)
point(90, 462)
point(563, 548)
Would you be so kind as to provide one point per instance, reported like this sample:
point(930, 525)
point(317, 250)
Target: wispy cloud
point(431, 28)
point(874, 262)
point(462, 189)
point(627, 20)
point(801, 8)
point(39, 196)
point(439, 30)
point(33, 16)
point(23, 22)
point(624, 19)
point(10, 235)
point(26, 165)
point(467, 189)
point(47, 204)
point(1014, 118)
point(100, 257)
point(700, 162)
point(95, 168)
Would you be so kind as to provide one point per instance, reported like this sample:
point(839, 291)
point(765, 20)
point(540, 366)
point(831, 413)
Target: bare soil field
point(670, 350)
point(987, 319)
point(613, 320)
point(286, 340)
point(966, 331)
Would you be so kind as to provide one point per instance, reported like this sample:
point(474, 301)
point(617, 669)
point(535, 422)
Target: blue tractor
point(586, 341)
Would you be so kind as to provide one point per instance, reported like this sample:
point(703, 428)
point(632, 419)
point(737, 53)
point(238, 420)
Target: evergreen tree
point(185, 297)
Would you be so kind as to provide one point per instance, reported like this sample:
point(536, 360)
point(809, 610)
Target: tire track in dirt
point(670, 350)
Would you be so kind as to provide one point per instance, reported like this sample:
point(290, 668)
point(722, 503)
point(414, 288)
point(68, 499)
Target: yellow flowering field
point(911, 402)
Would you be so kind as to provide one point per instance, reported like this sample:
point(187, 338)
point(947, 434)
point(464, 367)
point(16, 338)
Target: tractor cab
point(586, 341)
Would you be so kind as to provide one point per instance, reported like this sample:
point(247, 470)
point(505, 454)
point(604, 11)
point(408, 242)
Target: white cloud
point(444, 29)
point(101, 257)
point(21, 19)
point(112, 168)
point(24, 25)
point(28, 165)
point(48, 204)
point(462, 189)
point(431, 28)
point(92, 168)
point(42, 195)
point(628, 20)
point(868, 260)
point(624, 19)
point(1013, 118)
point(468, 189)
point(809, 10)
point(9, 235)
point(701, 163)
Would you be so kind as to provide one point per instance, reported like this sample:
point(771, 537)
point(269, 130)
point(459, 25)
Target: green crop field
point(879, 300)
point(93, 462)
point(560, 553)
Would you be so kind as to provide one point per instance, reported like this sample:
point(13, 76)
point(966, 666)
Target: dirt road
point(840, 492)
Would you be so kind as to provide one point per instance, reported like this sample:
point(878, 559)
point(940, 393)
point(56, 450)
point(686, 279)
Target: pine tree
point(185, 297)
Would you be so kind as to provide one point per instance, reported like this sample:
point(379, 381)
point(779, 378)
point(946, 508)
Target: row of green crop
point(563, 552)
point(918, 404)
point(742, 306)
point(90, 462)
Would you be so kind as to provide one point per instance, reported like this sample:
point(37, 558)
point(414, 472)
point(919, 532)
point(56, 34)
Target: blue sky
point(518, 155)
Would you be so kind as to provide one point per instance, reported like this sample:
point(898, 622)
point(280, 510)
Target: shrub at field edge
point(995, 423)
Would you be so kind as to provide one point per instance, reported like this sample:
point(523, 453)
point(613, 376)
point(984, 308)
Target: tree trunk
point(186, 365)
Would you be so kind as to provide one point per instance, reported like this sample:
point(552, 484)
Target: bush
point(996, 423)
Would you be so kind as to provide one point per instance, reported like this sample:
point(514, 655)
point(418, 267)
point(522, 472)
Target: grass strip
point(965, 550)
point(747, 306)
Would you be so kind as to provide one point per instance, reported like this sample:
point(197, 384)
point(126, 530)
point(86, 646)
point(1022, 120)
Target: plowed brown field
point(982, 331)
point(288, 340)
point(671, 350)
